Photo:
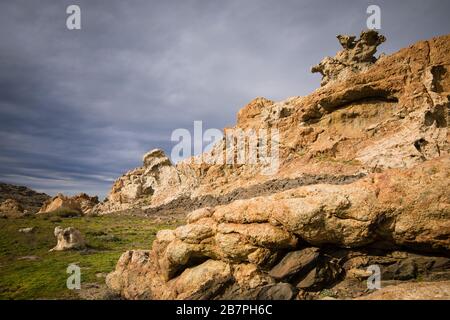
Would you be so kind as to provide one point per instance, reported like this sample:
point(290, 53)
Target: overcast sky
point(80, 108)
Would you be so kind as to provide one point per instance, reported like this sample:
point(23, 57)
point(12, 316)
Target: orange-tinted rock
point(82, 203)
point(364, 166)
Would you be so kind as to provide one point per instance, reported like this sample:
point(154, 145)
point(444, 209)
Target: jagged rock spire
point(356, 56)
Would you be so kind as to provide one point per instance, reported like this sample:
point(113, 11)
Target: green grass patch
point(62, 213)
point(42, 274)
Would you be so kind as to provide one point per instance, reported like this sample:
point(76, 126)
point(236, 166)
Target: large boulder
point(68, 239)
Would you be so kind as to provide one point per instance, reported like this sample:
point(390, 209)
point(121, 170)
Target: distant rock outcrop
point(11, 208)
point(156, 182)
point(363, 180)
point(81, 203)
point(18, 200)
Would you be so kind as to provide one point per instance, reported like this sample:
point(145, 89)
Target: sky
point(78, 108)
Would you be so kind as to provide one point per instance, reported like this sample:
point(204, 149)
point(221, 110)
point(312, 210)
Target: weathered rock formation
point(390, 210)
point(68, 239)
point(18, 200)
point(356, 56)
point(157, 181)
point(392, 115)
point(363, 179)
point(81, 203)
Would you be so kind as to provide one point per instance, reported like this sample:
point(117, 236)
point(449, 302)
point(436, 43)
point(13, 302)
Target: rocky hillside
point(362, 179)
point(390, 116)
point(17, 200)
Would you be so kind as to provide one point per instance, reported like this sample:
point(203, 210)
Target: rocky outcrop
point(68, 239)
point(81, 203)
point(388, 114)
point(19, 200)
point(363, 180)
point(394, 209)
point(356, 56)
point(157, 182)
point(413, 291)
point(11, 208)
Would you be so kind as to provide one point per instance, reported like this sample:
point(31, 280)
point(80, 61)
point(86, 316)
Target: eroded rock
point(372, 117)
point(156, 182)
point(295, 262)
point(203, 281)
point(350, 216)
point(81, 203)
point(68, 239)
point(356, 56)
point(383, 125)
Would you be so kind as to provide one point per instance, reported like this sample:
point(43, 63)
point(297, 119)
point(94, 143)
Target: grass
point(107, 237)
point(62, 213)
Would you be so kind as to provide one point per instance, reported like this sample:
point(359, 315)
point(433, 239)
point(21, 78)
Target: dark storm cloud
point(78, 108)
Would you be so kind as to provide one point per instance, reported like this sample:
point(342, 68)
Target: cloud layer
point(79, 108)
